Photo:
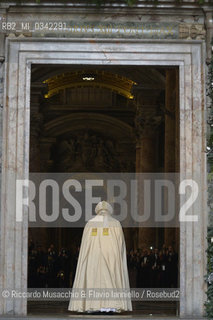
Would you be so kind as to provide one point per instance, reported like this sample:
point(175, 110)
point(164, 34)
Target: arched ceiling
point(80, 121)
point(94, 78)
point(150, 77)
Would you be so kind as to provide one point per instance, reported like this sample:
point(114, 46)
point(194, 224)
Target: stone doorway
point(94, 127)
point(186, 55)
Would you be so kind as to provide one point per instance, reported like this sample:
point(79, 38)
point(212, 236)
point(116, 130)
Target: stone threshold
point(80, 317)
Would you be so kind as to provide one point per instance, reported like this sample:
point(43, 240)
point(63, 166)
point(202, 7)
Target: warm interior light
point(100, 79)
point(88, 78)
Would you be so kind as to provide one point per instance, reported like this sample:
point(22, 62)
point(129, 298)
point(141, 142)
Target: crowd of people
point(49, 269)
point(153, 268)
point(148, 268)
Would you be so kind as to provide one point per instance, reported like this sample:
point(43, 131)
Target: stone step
point(95, 317)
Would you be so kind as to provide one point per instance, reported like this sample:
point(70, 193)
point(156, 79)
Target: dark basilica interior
point(104, 119)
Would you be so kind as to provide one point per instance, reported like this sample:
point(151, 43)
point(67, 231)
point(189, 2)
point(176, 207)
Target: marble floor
point(57, 310)
point(163, 309)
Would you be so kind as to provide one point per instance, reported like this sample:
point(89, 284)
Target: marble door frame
point(21, 52)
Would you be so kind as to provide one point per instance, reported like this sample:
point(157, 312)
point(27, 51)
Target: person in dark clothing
point(145, 263)
point(73, 263)
point(63, 269)
point(32, 269)
point(172, 267)
point(41, 257)
point(132, 268)
point(51, 257)
point(42, 276)
point(42, 268)
point(155, 266)
point(163, 269)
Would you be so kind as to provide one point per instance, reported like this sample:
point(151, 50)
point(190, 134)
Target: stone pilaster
point(36, 121)
point(209, 34)
point(171, 155)
point(2, 58)
point(147, 121)
point(45, 152)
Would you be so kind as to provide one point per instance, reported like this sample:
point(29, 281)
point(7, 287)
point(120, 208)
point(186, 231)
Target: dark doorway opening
point(93, 125)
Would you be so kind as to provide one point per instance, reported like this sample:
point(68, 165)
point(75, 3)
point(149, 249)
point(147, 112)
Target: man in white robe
point(102, 264)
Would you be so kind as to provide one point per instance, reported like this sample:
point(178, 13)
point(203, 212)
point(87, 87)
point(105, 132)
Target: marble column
point(35, 129)
point(2, 58)
point(209, 34)
point(45, 153)
point(171, 154)
point(146, 122)
point(37, 235)
point(1, 107)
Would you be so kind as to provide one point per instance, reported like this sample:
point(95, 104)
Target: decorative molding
point(81, 120)
point(147, 120)
point(188, 56)
point(192, 31)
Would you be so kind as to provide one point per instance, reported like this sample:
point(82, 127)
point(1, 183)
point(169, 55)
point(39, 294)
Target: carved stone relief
point(86, 151)
point(192, 31)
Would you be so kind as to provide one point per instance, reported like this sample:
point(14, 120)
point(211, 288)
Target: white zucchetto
point(103, 205)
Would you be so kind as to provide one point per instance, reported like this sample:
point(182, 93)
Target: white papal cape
point(102, 264)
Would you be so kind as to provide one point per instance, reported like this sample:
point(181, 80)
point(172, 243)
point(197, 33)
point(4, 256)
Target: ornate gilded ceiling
point(96, 78)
